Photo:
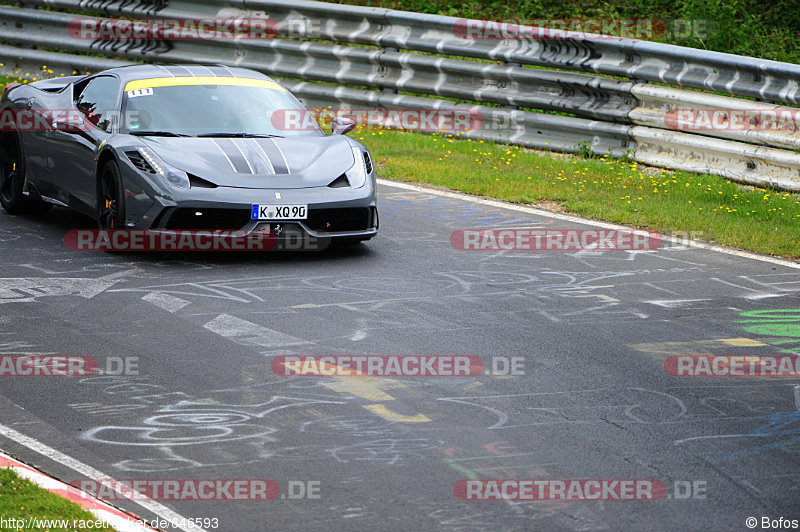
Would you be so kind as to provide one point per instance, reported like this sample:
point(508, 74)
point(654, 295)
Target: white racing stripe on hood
point(314, 161)
point(234, 154)
point(263, 155)
point(275, 155)
point(225, 154)
point(246, 158)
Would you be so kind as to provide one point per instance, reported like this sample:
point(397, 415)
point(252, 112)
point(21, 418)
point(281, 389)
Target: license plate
point(280, 212)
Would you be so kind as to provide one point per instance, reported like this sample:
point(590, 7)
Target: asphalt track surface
point(593, 402)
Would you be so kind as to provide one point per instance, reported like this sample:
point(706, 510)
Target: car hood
point(275, 163)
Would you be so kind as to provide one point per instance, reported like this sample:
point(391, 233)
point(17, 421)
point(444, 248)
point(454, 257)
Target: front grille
point(139, 162)
point(331, 220)
point(185, 218)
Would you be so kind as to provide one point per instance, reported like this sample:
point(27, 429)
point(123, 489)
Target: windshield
point(212, 109)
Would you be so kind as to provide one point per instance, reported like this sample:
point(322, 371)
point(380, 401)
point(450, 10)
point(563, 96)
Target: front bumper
point(335, 213)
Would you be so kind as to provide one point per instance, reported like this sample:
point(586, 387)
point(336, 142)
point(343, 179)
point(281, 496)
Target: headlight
point(357, 175)
point(174, 177)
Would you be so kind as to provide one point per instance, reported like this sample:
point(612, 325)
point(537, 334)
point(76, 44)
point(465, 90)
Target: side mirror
point(342, 126)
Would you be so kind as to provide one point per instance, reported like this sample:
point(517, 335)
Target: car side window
point(98, 100)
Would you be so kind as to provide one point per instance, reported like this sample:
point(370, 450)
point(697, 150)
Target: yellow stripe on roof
point(201, 80)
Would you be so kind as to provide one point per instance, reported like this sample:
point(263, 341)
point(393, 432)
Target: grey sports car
point(183, 147)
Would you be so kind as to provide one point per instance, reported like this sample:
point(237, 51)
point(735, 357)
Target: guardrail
point(362, 57)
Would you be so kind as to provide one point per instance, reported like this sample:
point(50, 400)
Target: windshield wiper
point(239, 135)
point(157, 134)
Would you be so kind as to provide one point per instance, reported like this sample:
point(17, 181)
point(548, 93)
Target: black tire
point(110, 198)
point(12, 179)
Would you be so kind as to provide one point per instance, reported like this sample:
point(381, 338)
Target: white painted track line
point(586, 221)
point(92, 474)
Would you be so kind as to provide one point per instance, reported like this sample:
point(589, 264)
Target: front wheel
point(111, 198)
point(12, 179)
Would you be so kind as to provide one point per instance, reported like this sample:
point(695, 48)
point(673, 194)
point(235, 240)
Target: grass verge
point(704, 207)
point(26, 506)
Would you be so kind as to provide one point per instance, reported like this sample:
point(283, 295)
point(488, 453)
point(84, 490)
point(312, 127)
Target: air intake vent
point(199, 182)
point(199, 219)
point(332, 220)
point(339, 182)
point(368, 162)
point(139, 162)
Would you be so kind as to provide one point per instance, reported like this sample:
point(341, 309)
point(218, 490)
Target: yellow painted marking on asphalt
point(741, 342)
point(370, 391)
point(385, 413)
point(369, 388)
point(696, 347)
point(201, 80)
